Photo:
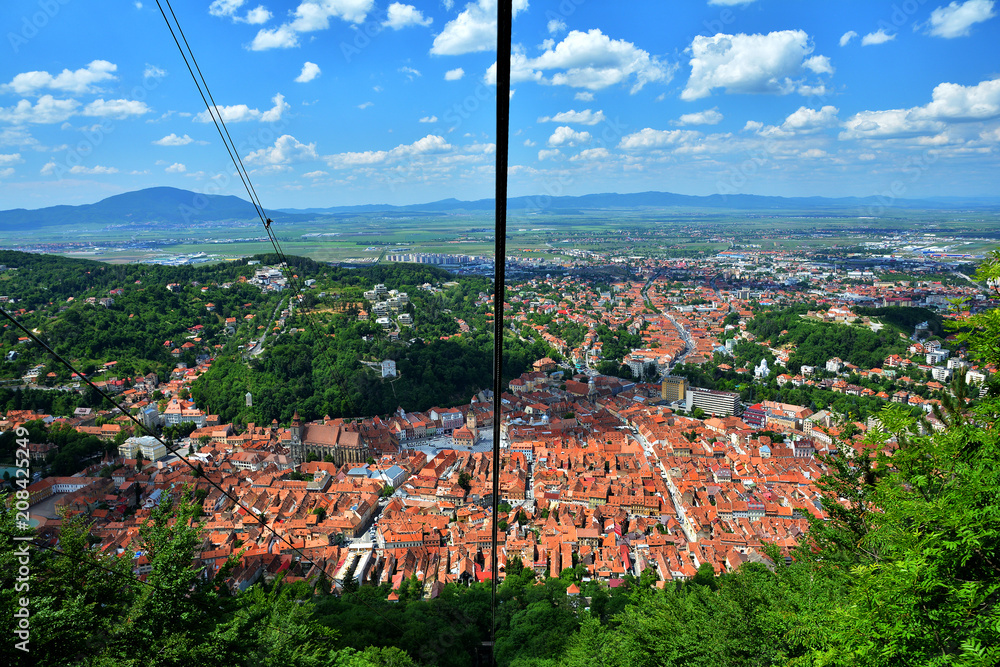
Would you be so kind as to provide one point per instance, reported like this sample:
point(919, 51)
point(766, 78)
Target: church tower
point(297, 450)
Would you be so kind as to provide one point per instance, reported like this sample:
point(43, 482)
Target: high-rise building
point(673, 388)
point(713, 402)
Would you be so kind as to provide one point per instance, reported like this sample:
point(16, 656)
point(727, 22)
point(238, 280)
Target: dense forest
point(316, 364)
point(816, 342)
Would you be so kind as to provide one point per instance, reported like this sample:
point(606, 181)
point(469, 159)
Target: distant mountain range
point(159, 205)
point(175, 206)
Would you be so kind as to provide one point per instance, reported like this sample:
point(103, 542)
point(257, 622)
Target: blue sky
point(339, 102)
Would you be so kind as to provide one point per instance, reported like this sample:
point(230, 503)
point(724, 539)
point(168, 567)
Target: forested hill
point(162, 205)
point(313, 360)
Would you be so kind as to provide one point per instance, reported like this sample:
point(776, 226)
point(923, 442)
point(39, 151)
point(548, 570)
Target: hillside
point(164, 205)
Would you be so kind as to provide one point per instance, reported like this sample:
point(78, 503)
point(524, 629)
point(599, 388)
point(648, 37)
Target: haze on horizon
point(355, 101)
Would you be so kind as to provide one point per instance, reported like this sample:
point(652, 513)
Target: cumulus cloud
point(474, 29)
point(589, 60)
point(584, 96)
point(77, 82)
point(401, 16)
point(585, 117)
point(429, 145)
point(176, 168)
point(950, 103)
point(876, 38)
point(410, 72)
point(819, 65)
point(567, 136)
point(311, 16)
point(10, 158)
point(805, 119)
point(115, 108)
point(286, 149)
point(239, 113)
point(556, 26)
point(650, 139)
point(173, 140)
point(957, 18)
point(45, 111)
point(548, 154)
point(772, 63)
point(309, 72)
point(454, 74)
point(429, 119)
point(846, 38)
point(229, 9)
point(591, 154)
point(708, 117)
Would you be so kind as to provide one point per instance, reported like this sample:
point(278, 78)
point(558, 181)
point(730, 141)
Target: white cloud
point(429, 119)
point(319, 173)
point(590, 154)
point(401, 16)
point(707, 117)
point(806, 119)
point(650, 139)
point(16, 136)
point(176, 168)
point(556, 26)
point(429, 145)
point(454, 74)
point(365, 105)
point(593, 61)
point(546, 154)
point(257, 16)
point(410, 72)
point(567, 136)
point(888, 124)
point(115, 108)
point(846, 38)
point(76, 82)
point(585, 117)
point(173, 140)
point(878, 37)
point(286, 149)
point(46, 110)
point(954, 102)
point(951, 103)
point(48, 168)
point(748, 63)
point(239, 113)
point(93, 171)
point(529, 143)
point(225, 8)
point(6, 172)
point(310, 16)
point(153, 72)
point(474, 29)
point(309, 72)
point(819, 65)
point(584, 96)
point(956, 19)
point(282, 37)
point(10, 158)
